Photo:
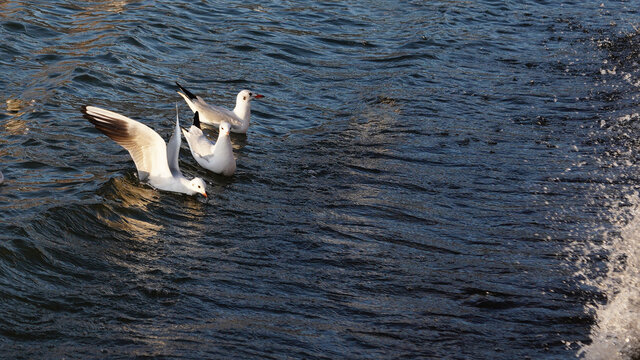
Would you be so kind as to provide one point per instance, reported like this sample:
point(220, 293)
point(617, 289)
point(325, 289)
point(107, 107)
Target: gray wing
point(216, 114)
point(209, 114)
point(198, 142)
point(173, 148)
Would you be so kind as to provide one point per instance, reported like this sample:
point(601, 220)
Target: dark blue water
point(446, 180)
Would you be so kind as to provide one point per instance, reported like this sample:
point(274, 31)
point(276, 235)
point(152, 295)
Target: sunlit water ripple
point(423, 180)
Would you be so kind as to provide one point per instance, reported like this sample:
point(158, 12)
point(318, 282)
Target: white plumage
point(217, 157)
point(239, 118)
point(156, 163)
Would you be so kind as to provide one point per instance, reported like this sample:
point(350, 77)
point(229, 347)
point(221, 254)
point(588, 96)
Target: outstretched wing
point(173, 148)
point(146, 147)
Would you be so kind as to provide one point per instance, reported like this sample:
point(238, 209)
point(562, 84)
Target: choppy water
point(423, 180)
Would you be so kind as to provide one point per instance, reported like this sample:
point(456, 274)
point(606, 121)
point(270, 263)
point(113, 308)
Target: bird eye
point(244, 98)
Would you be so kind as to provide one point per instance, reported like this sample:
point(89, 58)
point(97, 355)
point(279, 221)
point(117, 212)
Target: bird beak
point(258, 96)
point(205, 195)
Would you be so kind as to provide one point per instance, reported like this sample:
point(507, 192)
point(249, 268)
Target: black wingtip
point(83, 110)
point(196, 120)
point(186, 92)
point(114, 128)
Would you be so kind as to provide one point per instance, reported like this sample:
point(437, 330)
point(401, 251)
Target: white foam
point(616, 334)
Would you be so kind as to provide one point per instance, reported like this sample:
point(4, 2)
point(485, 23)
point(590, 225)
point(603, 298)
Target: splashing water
point(610, 265)
point(616, 333)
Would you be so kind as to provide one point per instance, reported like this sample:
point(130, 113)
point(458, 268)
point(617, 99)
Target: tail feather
point(196, 120)
point(187, 92)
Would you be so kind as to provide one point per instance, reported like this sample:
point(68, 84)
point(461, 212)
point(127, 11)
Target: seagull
point(157, 163)
point(217, 157)
point(211, 114)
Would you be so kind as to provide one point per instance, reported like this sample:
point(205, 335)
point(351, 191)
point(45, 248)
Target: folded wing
point(198, 142)
point(209, 114)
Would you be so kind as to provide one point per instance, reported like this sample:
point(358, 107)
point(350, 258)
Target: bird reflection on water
point(132, 204)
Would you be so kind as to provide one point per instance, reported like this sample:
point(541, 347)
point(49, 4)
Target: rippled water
point(423, 180)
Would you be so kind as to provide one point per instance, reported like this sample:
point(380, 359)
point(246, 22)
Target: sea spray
point(616, 332)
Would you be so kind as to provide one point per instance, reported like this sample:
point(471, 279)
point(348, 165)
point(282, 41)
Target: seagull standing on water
point(217, 157)
point(210, 114)
point(157, 163)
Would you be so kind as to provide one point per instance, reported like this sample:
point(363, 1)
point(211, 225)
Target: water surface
point(423, 180)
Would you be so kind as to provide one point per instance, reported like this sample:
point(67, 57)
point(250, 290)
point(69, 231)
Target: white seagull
point(210, 114)
point(217, 157)
point(157, 163)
